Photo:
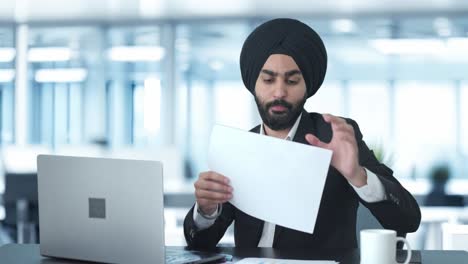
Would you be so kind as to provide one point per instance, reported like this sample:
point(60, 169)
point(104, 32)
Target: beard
point(280, 120)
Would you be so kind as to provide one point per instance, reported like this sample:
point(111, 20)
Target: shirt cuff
point(373, 191)
point(200, 221)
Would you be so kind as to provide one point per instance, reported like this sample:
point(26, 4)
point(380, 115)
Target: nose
point(279, 90)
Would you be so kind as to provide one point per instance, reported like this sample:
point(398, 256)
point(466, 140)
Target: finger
point(205, 202)
point(314, 141)
point(349, 128)
point(333, 119)
point(213, 186)
point(343, 129)
point(204, 194)
point(339, 128)
point(346, 138)
point(213, 201)
point(213, 176)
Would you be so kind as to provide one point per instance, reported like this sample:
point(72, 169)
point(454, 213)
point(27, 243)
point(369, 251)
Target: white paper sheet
point(283, 261)
point(275, 180)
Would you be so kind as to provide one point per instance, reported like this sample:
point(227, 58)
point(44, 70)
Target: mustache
point(279, 103)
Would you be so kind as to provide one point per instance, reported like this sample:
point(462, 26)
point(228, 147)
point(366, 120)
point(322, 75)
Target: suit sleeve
point(209, 237)
point(400, 210)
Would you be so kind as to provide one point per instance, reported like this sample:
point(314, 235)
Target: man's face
point(280, 92)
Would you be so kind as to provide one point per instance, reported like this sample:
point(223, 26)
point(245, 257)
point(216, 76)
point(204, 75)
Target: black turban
point(289, 37)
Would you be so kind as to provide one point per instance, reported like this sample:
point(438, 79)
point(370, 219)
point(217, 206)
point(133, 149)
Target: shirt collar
point(291, 133)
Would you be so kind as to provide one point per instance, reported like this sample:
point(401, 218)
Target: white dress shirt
point(373, 191)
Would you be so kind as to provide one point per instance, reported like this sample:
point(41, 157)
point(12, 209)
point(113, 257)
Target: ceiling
point(115, 10)
point(203, 40)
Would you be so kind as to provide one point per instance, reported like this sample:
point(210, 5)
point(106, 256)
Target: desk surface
point(29, 254)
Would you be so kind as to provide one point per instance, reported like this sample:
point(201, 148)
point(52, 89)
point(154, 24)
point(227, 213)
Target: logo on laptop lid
point(97, 208)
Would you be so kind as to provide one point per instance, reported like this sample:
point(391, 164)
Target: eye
point(292, 82)
point(270, 80)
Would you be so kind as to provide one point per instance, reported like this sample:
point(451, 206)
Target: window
point(234, 105)
point(464, 119)
point(57, 113)
point(369, 107)
point(201, 121)
point(210, 89)
point(153, 85)
point(328, 99)
point(425, 124)
point(7, 79)
point(6, 112)
point(146, 111)
point(61, 62)
point(136, 93)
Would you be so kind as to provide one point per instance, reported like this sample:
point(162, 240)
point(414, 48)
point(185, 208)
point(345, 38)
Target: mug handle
point(408, 255)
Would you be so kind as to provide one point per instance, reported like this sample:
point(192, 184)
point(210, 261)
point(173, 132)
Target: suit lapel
point(313, 123)
point(306, 125)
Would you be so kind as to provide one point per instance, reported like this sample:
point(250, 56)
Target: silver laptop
point(104, 210)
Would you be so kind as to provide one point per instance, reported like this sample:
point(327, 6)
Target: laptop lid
point(101, 209)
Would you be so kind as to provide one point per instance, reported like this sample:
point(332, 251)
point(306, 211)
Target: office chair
point(21, 206)
point(443, 199)
point(20, 195)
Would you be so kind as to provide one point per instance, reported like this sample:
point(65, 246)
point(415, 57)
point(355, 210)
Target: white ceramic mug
point(379, 246)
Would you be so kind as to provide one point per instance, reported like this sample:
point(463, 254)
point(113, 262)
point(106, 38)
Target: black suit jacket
point(336, 220)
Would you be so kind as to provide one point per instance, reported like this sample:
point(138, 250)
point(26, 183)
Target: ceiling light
point(49, 54)
point(60, 75)
point(216, 65)
point(7, 75)
point(136, 53)
point(408, 46)
point(343, 25)
point(7, 54)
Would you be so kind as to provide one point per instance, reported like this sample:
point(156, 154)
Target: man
point(283, 62)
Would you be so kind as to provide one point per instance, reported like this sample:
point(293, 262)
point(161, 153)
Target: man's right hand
point(212, 189)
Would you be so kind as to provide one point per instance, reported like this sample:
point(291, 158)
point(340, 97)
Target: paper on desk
point(283, 261)
point(275, 180)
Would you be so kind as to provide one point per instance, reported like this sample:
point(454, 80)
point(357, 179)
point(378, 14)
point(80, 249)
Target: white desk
point(432, 218)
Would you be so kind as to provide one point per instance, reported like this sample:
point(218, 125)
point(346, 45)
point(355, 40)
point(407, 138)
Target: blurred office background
point(148, 79)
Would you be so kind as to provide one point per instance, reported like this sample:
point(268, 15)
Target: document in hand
point(275, 180)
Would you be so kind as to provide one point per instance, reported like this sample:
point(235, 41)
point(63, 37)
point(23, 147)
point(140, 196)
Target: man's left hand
point(345, 150)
